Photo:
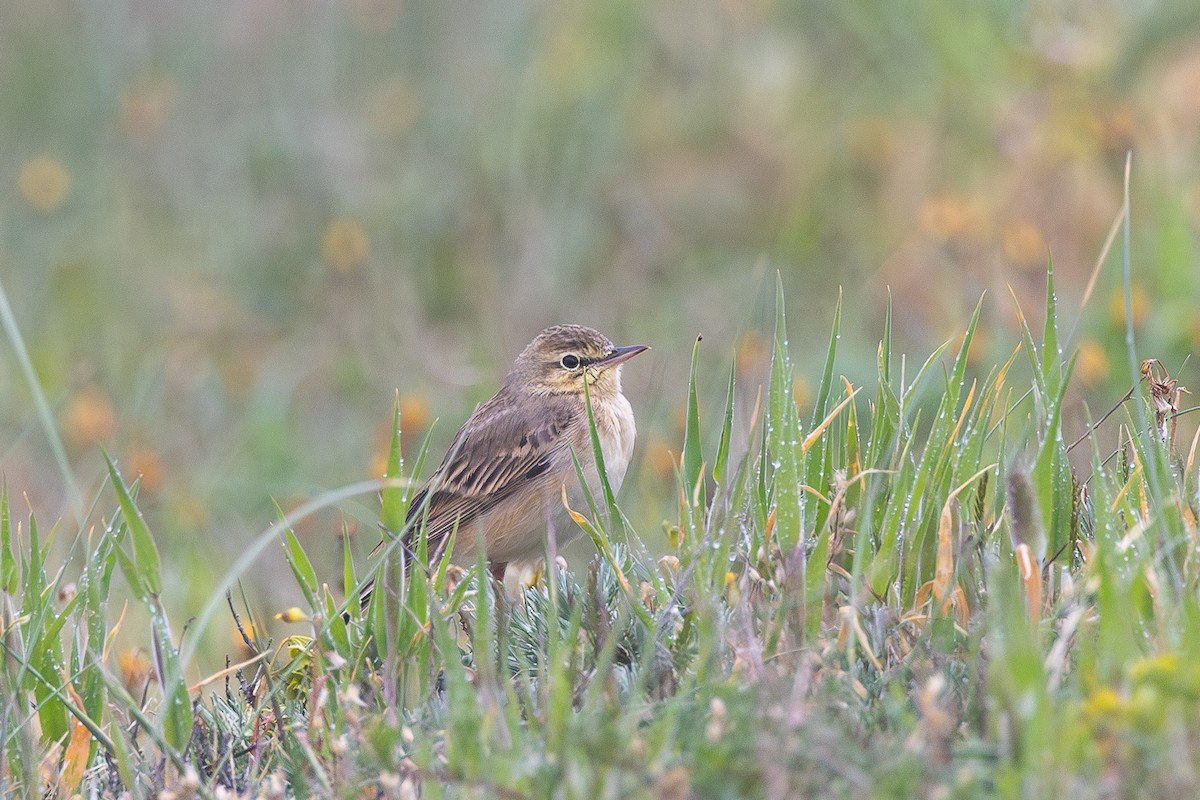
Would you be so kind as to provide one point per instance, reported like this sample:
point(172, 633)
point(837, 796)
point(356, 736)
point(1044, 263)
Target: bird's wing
point(502, 448)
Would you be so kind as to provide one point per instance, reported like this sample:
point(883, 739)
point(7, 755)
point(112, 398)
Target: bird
point(505, 472)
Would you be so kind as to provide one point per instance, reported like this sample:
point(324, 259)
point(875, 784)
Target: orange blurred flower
point(379, 463)
point(753, 353)
point(660, 459)
point(89, 417)
point(144, 108)
point(981, 343)
point(136, 670)
point(952, 216)
point(44, 183)
point(1139, 303)
point(345, 245)
point(414, 413)
point(415, 418)
point(1025, 245)
point(146, 463)
point(1092, 366)
point(801, 391)
point(190, 513)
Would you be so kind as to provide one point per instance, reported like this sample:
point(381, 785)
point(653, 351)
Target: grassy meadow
point(915, 516)
point(870, 601)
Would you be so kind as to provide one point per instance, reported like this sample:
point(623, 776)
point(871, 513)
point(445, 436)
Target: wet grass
point(880, 597)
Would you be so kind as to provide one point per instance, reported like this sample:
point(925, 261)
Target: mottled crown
point(557, 359)
point(552, 343)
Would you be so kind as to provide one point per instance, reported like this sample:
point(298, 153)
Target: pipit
point(504, 475)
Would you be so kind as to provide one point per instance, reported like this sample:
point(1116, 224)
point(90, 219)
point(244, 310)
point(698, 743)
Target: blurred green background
point(231, 230)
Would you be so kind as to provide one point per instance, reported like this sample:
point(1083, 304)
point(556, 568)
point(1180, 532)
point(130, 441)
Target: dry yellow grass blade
point(943, 567)
point(581, 521)
point(79, 746)
point(850, 627)
point(817, 431)
point(112, 633)
point(1031, 581)
point(963, 415)
point(944, 563)
point(216, 676)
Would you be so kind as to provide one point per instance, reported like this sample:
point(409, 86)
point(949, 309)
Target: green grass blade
point(43, 659)
point(393, 504)
point(177, 715)
point(1051, 355)
point(616, 518)
point(8, 559)
point(45, 417)
point(818, 467)
point(693, 454)
point(123, 756)
point(145, 560)
point(302, 568)
point(825, 388)
point(783, 439)
point(721, 465)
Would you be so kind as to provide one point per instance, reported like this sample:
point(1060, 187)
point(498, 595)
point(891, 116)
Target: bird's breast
point(616, 430)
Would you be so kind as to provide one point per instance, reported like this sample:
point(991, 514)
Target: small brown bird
point(505, 471)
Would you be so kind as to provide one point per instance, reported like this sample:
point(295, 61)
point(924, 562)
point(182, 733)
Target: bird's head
point(560, 359)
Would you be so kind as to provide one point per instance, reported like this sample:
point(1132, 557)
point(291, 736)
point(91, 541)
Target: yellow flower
point(1104, 704)
point(952, 216)
point(1092, 366)
point(1025, 245)
point(345, 245)
point(802, 393)
point(148, 466)
point(1164, 665)
point(293, 614)
point(1138, 301)
point(44, 183)
point(89, 417)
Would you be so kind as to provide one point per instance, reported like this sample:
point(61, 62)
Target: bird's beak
point(620, 355)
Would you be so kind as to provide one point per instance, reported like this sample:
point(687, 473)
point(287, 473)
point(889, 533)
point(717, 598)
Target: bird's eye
point(570, 361)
